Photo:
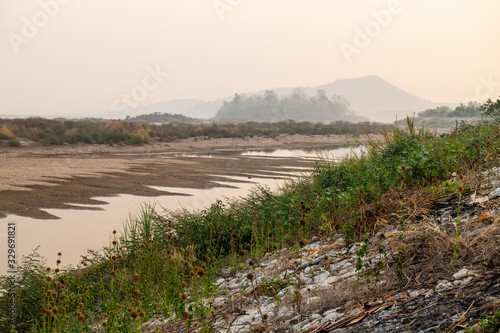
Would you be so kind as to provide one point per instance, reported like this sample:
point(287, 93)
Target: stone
point(244, 320)
point(413, 293)
point(463, 273)
point(494, 194)
point(316, 316)
point(443, 285)
point(306, 327)
point(267, 307)
point(300, 326)
point(321, 277)
point(256, 320)
point(331, 315)
point(283, 292)
point(234, 284)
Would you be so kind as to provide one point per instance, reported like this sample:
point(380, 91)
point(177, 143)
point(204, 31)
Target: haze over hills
point(372, 97)
point(369, 96)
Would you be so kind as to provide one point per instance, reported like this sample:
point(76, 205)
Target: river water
point(79, 230)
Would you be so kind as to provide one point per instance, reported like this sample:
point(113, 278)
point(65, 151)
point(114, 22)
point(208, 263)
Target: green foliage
point(29, 282)
point(6, 133)
point(445, 189)
point(491, 110)
point(14, 142)
point(272, 286)
point(490, 324)
point(136, 278)
point(471, 110)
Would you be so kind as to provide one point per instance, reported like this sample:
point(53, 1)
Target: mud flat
point(64, 177)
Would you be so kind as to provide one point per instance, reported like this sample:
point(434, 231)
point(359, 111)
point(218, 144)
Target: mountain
point(378, 99)
point(369, 96)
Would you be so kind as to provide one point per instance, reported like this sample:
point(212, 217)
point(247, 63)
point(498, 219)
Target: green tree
point(491, 109)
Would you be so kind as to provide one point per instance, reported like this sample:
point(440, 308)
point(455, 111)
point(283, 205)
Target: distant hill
point(299, 106)
point(369, 96)
point(165, 118)
point(372, 96)
point(194, 108)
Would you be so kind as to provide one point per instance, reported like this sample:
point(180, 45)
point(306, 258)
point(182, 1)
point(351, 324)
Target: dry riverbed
point(35, 177)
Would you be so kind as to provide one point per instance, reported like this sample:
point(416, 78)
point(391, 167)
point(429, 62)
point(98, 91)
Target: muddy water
point(91, 228)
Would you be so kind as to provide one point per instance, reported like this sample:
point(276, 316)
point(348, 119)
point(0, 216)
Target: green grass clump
point(137, 277)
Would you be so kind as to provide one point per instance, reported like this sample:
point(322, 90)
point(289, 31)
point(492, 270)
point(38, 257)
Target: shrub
point(14, 142)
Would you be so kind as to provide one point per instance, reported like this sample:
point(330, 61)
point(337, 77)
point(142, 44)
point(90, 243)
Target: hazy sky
point(64, 56)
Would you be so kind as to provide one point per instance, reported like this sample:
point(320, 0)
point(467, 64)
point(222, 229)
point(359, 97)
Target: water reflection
point(79, 230)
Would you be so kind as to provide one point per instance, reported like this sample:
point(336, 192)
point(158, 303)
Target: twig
point(460, 319)
point(242, 313)
point(264, 320)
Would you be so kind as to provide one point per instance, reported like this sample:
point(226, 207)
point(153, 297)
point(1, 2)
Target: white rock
point(306, 281)
point(256, 320)
point(444, 285)
point(463, 282)
point(331, 315)
point(494, 194)
point(463, 273)
point(283, 292)
point(316, 316)
point(244, 320)
point(413, 293)
point(469, 279)
point(429, 294)
point(300, 325)
point(321, 277)
point(306, 327)
point(234, 284)
point(268, 308)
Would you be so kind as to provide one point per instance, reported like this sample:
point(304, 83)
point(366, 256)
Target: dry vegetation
point(56, 131)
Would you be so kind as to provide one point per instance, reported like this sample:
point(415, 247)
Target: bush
point(14, 142)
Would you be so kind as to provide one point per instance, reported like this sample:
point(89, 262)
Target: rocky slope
point(427, 279)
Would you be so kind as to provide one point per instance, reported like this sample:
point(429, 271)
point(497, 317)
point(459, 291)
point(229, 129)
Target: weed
point(490, 324)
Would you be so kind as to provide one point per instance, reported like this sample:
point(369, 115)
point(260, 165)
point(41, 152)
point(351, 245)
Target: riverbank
point(406, 234)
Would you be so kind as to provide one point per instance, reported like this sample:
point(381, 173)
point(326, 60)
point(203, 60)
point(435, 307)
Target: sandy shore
point(36, 177)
